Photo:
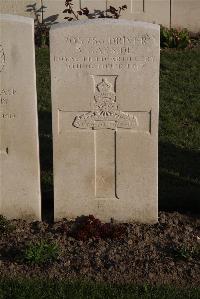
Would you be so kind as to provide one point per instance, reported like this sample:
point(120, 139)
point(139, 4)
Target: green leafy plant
point(41, 253)
point(111, 12)
point(184, 253)
point(173, 38)
point(42, 25)
point(5, 225)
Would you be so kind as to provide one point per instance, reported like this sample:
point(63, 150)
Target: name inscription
point(122, 40)
point(118, 52)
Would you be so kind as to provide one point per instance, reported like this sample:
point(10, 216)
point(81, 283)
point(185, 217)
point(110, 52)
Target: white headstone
point(20, 7)
point(19, 154)
point(105, 92)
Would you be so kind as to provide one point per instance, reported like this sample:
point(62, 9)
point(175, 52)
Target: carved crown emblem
point(104, 86)
point(103, 91)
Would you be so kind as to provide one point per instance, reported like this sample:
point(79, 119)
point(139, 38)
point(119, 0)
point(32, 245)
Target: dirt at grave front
point(165, 253)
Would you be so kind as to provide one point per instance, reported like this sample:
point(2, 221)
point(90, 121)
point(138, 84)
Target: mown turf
point(179, 131)
point(37, 289)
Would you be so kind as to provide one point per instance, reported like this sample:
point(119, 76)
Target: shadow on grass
point(179, 179)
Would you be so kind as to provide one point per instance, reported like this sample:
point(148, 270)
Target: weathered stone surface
point(153, 11)
point(186, 14)
point(175, 13)
point(53, 10)
point(105, 86)
point(19, 7)
point(19, 155)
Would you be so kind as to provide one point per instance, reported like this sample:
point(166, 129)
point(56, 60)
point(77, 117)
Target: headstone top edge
point(16, 18)
point(135, 24)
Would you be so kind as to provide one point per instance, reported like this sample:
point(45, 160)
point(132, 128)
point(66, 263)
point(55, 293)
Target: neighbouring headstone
point(24, 8)
point(19, 152)
point(105, 93)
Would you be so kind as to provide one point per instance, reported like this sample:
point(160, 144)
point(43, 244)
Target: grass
point(34, 289)
point(5, 226)
point(179, 135)
point(179, 131)
point(184, 253)
point(41, 253)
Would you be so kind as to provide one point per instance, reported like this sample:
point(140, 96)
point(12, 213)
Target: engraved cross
point(106, 119)
point(106, 115)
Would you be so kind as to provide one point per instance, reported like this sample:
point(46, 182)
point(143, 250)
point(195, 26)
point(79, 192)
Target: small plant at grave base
point(41, 253)
point(88, 227)
point(5, 226)
point(185, 253)
point(73, 15)
point(173, 38)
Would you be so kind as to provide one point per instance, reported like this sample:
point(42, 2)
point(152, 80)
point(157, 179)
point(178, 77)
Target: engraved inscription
point(111, 53)
point(2, 58)
point(66, 120)
point(134, 63)
point(106, 113)
point(92, 41)
point(4, 152)
point(101, 205)
point(5, 94)
point(4, 115)
point(3, 101)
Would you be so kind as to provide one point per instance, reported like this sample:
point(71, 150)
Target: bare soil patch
point(165, 253)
